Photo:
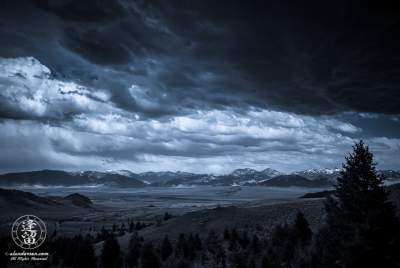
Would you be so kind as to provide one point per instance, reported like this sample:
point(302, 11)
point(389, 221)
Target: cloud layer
point(58, 124)
point(311, 59)
point(197, 85)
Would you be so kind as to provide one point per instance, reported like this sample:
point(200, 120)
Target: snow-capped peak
point(243, 171)
point(272, 172)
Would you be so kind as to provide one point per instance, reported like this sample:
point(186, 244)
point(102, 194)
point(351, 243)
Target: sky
point(197, 86)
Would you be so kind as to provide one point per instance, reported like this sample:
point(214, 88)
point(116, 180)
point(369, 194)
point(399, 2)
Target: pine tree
point(119, 262)
point(85, 257)
point(110, 252)
point(213, 249)
point(149, 258)
point(98, 238)
point(131, 227)
point(360, 191)
point(255, 244)
point(197, 242)
point(190, 238)
point(181, 240)
point(70, 252)
point(166, 216)
point(243, 239)
point(63, 247)
point(265, 261)
point(56, 260)
point(363, 230)
point(226, 234)
point(166, 248)
point(3, 248)
point(192, 253)
point(121, 232)
point(251, 263)
point(237, 256)
point(135, 245)
point(301, 230)
point(234, 236)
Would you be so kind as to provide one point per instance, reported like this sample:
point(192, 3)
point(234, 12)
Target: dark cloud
point(97, 47)
point(303, 57)
point(220, 84)
point(83, 11)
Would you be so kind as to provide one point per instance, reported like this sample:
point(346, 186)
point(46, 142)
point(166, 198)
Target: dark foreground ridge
point(25, 199)
point(79, 200)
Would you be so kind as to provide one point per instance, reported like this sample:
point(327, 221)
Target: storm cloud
point(205, 84)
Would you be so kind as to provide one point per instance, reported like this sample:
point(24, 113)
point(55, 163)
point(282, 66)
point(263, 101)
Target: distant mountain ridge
point(149, 176)
point(163, 175)
point(312, 173)
point(63, 178)
point(126, 179)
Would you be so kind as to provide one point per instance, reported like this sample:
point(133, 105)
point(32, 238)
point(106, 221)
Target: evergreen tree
point(149, 258)
point(85, 257)
point(166, 248)
point(265, 261)
point(282, 245)
point(213, 249)
point(255, 244)
point(185, 249)
point(110, 252)
point(181, 240)
point(197, 242)
point(243, 239)
point(173, 262)
point(192, 253)
point(226, 234)
point(237, 256)
point(114, 228)
point(233, 238)
point(301, 230)
point(166, 216)
point(131, 227)
point(70, 252)
point(3, 248)
point(119, 262)
point(56, 260)
point(121, 232)
point(251, 263)
point(98, 238)
point(135, 245)
point(63, 247)
point(191, 238)
point(138, 226)
point(45, 264)
point(363, 230)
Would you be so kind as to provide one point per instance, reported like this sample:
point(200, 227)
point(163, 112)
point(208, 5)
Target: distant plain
point(170, 197)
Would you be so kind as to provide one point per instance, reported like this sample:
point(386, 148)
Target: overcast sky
point(197, 86)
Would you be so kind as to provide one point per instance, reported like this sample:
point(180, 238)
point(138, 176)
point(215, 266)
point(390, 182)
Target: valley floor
point(195, 209)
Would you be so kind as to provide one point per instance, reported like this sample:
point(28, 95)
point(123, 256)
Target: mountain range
point(127, 179)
